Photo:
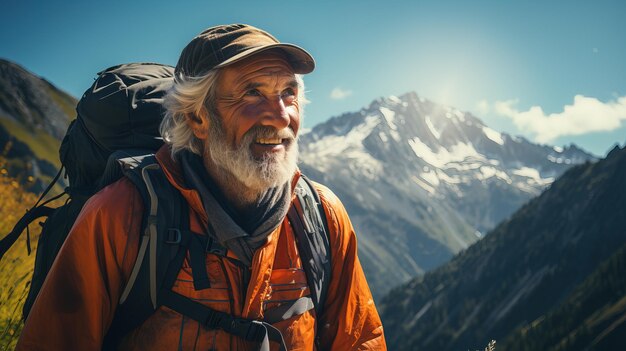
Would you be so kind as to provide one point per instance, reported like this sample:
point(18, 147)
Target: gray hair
point(197, 96)
point(187, 96)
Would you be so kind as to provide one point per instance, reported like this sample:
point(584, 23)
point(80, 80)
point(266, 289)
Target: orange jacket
point(78, 299)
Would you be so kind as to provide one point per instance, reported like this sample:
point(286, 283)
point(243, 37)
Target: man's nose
point(276, 114)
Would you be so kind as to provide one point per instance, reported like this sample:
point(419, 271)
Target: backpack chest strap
point(247, 329)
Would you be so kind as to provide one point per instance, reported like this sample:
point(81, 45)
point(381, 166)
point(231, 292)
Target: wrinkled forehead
point(264, 66)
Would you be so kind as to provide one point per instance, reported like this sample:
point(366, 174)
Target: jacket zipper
point(246, 274)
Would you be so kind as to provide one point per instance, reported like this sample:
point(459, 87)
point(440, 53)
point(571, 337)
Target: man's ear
point(199, 124)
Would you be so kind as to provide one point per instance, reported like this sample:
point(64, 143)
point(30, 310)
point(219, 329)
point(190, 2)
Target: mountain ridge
point(422, 181)
point(519, 272)
point(34, 115)
point(33, 101)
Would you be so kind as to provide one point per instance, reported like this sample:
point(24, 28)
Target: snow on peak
point(451, 113)
point(336, 144)
point(390, 117)
point(348, 146)
point(422, 184)
point(431, 177)
point(493, 135)
point(460, 115)
point(394, 99)
point(559, 160)
point(383, 138)
point(458, 152)
point(533, 175)
point(487, 172)
point(431, 127)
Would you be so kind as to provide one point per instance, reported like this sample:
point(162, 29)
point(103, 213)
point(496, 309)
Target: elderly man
point(231, 125)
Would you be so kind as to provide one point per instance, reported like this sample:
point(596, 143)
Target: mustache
point(257, 132)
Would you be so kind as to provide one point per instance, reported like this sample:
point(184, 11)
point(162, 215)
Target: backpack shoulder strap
point(311, 230)
point(37, 211)
point(163, 243)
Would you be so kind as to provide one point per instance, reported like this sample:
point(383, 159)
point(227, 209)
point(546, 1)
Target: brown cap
point(223, 45)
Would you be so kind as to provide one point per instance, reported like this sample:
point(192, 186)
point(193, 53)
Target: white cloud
point(483, 107)
point(584, 116)
point(338, 93)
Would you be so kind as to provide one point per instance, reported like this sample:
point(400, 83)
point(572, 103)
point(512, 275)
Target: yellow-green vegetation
point(66, 102)
point(42, 144)
point(16, 266)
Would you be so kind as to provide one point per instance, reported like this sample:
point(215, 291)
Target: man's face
point(253, 135)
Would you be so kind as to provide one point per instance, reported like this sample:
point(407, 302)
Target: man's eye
point(253, 92)
point(288, 93)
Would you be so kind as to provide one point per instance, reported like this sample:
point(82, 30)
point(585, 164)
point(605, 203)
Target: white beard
point(258, 175)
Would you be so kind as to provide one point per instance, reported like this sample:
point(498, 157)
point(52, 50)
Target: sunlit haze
point(550, 71)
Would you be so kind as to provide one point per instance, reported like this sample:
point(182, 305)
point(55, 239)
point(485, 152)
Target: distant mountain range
point(549, 278)
point(422, 181)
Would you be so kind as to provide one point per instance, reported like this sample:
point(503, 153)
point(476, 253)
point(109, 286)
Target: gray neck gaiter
point(242, 232)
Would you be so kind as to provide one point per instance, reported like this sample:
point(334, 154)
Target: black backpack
point(117, 127)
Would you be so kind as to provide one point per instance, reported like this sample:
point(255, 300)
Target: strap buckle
point(250, 330)
point(247, 329)
point(174, 236)
point(214, 247)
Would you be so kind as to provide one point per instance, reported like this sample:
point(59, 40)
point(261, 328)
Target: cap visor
point(301, 61)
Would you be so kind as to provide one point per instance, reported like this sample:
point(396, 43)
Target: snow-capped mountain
point(422, 181)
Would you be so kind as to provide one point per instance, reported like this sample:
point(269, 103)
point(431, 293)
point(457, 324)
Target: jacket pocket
point(216, 296)
point(289, 294)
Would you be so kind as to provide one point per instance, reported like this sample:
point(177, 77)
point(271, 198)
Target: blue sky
point(552, 71)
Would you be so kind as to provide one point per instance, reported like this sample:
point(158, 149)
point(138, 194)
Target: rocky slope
point(422, 181)
point(33, 118)
point(549, 278)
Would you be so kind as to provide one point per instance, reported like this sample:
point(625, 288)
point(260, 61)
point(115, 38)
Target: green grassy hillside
point(42, 144)
point(16, 266)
